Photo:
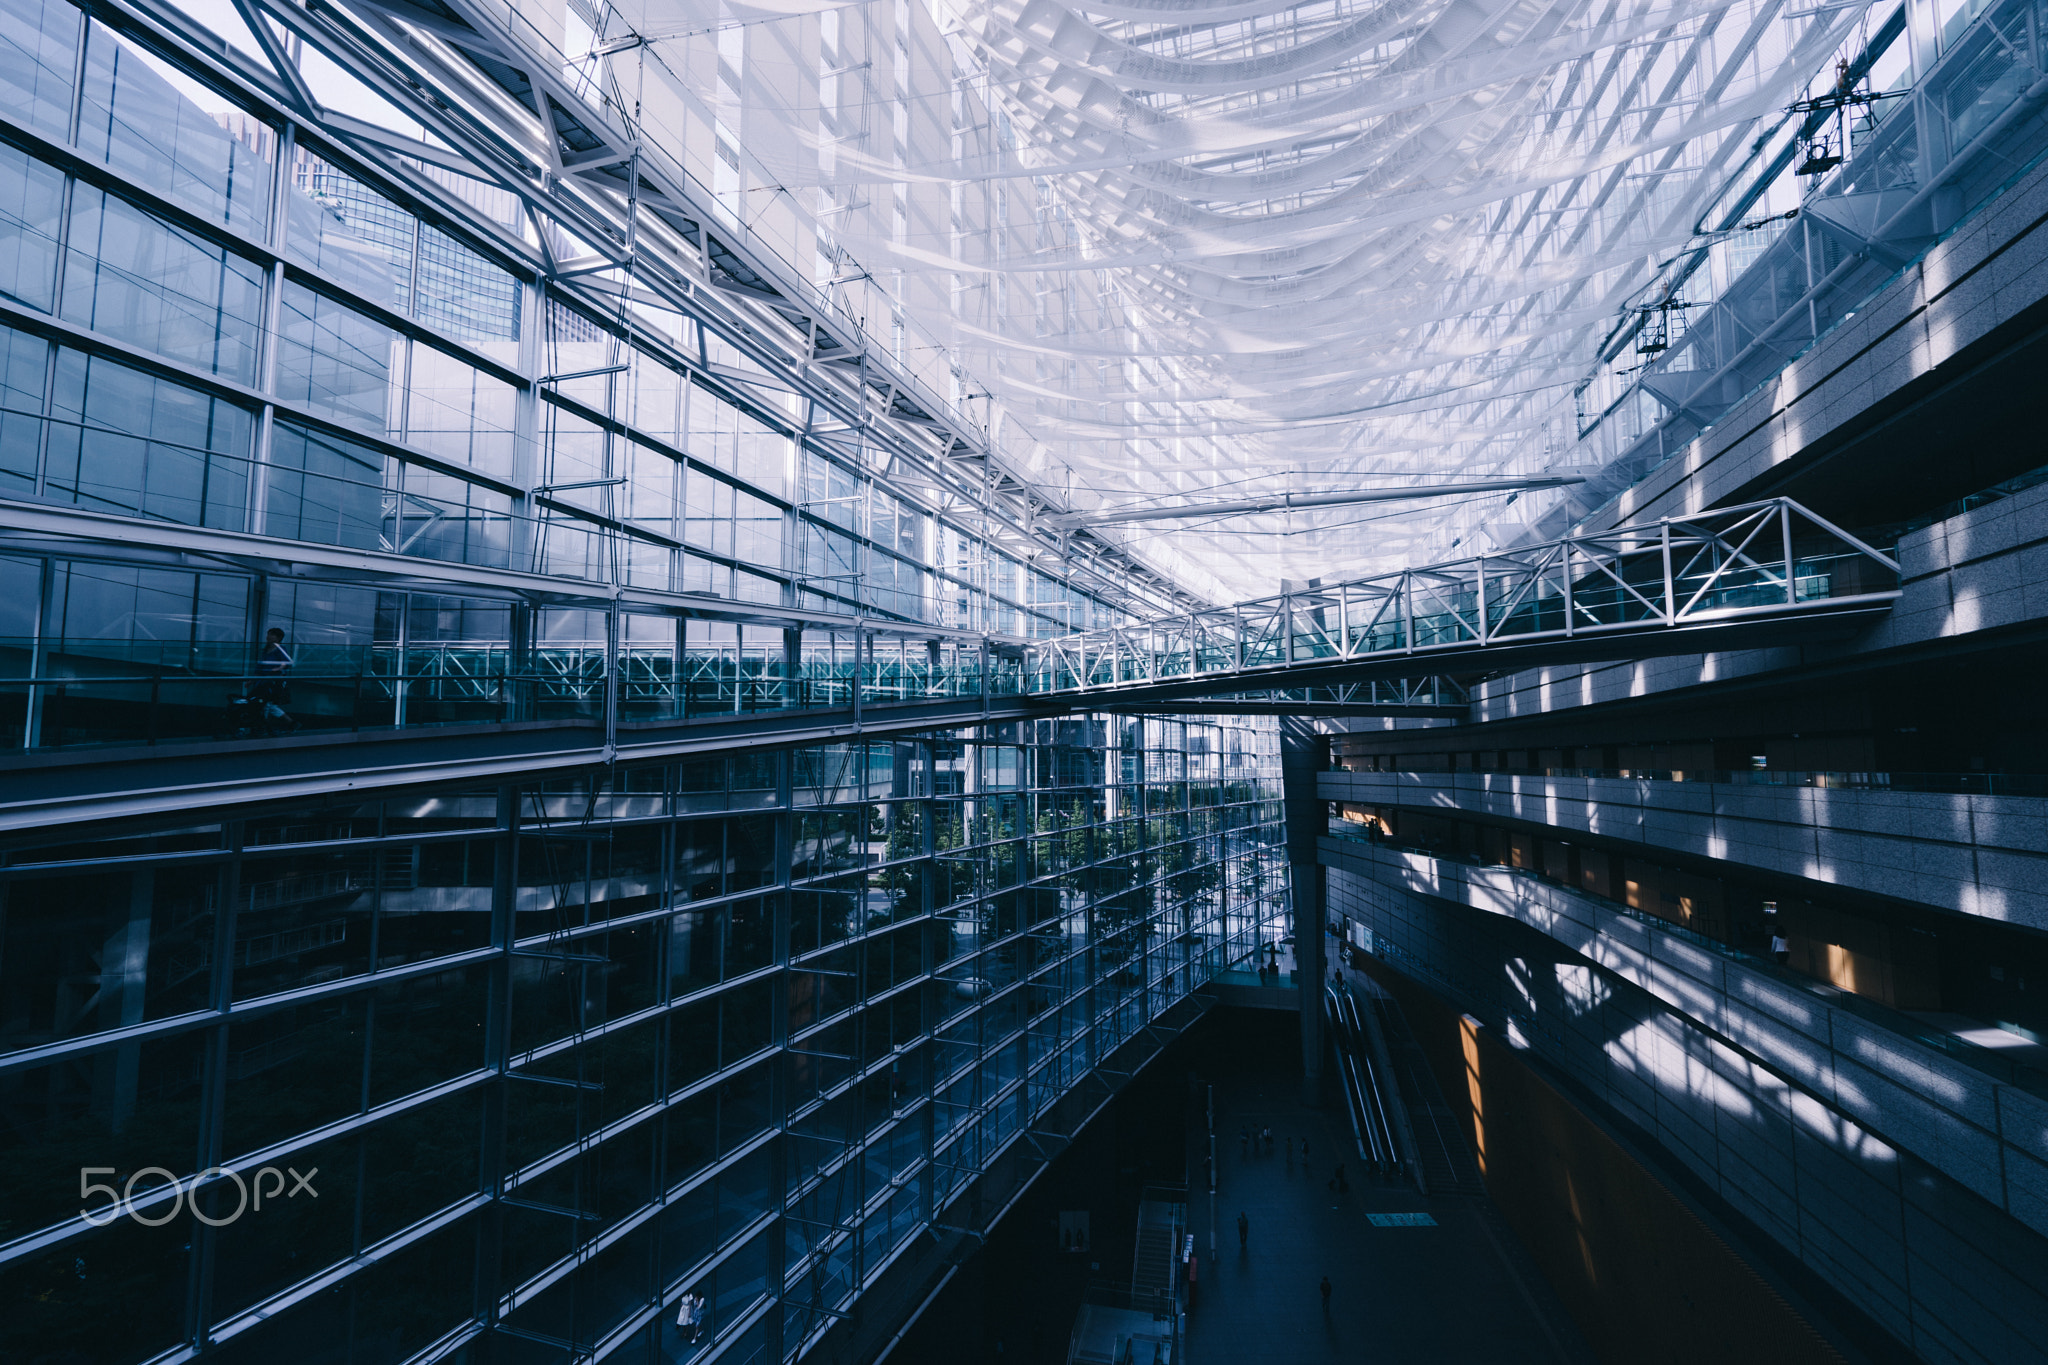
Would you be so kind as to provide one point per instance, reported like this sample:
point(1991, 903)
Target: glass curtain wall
point(503, 1072)
point(215, 322)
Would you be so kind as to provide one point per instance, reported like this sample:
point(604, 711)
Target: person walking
point(1244, 1231)
point(272, 692)
point(1326, 1295)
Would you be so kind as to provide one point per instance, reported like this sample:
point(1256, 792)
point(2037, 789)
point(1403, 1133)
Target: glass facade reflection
point(559, 1052)
point(503, 1069)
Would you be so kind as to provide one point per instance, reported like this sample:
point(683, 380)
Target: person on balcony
point(272, 691)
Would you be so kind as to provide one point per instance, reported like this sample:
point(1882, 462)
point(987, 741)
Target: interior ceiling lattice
point(1328, 245)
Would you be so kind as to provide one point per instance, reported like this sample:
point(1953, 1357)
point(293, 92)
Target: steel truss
point(1756, 562)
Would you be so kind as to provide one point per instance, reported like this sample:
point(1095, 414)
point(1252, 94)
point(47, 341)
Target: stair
point(1152, 1265)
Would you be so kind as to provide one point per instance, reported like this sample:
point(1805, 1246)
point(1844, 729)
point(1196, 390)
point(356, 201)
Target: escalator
point(1366, 1086)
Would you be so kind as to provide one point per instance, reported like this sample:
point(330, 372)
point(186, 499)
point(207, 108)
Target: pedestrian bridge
point(1658, 588)
point(106, 742)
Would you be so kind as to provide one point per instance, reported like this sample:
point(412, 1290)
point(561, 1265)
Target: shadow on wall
point(1643, 1277)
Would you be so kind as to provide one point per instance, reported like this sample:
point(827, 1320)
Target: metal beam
point(1279, 502)
point(1203, 706)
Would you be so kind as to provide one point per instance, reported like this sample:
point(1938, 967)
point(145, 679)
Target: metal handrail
point(1932, 783)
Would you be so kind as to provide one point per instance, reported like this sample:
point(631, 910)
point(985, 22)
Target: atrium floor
point(1460, 1290)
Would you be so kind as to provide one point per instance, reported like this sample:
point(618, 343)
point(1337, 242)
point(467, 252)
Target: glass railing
point(146, 696)
point(1966, 784)
point(1983, 1060)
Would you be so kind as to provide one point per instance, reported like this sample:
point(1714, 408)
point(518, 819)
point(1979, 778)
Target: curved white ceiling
point(1304, 246)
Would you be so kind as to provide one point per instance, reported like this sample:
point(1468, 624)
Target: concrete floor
point(1462, 1290)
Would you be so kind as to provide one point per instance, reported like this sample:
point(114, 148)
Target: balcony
point(1966, 842)
point(1977, 1114)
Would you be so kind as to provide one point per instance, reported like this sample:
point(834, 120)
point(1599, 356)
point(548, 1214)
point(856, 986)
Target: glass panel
point(575, 345)
point(129, 1106)
point(425, 1030)
point(21, 598)
point(265, 1251)
point(24, 366)
point(325, 489)
point(710, 514)
point(293, 1069)
point(572, 547)
point(358, 238)
point(336, 361)
point(158, 618)
point(439, 516)
point(118, 640)
point(435, 900)
point(648, 565)
point(31, 216)
point(166, 132)
point(466, 295)
point(420, 1161)
point(757, 532)
point(649, 497)
point(124, 441)
point(764, 456)
point(655, 402)
point(706, 576)
point(459, 413)
point(576, 455)
point(457, 655)
point(714, 430)
point(329, 631)
point(304, 918)
point(88, 953)
point(38, 54)
point(145, 282)
point(417, 1294)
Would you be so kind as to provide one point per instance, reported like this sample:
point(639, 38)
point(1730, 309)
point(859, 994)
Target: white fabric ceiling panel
point(1194, 250)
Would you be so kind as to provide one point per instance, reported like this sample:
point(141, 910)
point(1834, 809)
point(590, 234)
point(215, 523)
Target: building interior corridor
point(754, 682)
